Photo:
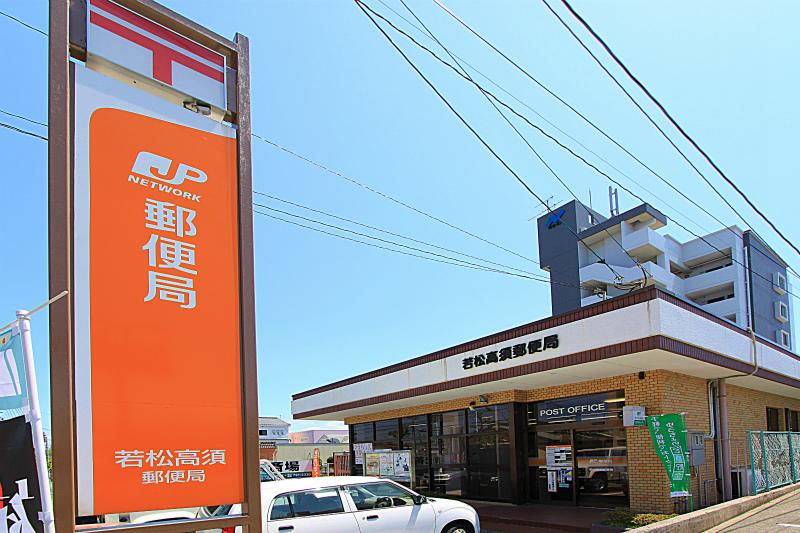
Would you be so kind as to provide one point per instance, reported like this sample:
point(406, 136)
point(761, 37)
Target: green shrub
point(622, 517)
point(649, 518)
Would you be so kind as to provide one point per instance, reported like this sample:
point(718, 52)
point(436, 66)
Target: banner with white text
point(20, 497)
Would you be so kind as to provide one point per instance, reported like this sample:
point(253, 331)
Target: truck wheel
point(600, 482)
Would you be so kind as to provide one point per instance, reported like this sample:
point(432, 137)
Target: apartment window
point(720, 298)
point(779, 283)
point(782, 337)
point(781, 312)
point(773, 419)
point(718, 267)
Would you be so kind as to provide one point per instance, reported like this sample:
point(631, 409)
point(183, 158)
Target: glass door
point(550, 466)
point(602, 462)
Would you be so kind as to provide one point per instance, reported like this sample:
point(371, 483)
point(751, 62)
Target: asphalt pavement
point(780, 515)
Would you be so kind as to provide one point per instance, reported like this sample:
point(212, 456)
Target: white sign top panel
point(138, 44)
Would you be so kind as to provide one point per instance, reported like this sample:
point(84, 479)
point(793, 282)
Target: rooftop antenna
point(547, 207)
point(613, 200)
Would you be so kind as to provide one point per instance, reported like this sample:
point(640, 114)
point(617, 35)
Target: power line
point(664, 134)
point(489, 99)
point(392, 198)
point(24, 132)
point(531, 109)
point(388, 197)
point(428, 258)
point(650, 118)
point(387, 241)
point(18, 21)
point(704, 239)
point(344, 177)
point(364, 8)
point(374, 228)
point(484, 268)
point(26, 119)
point(669, 117)
point(599, 130)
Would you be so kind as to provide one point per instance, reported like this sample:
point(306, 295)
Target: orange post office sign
point(158, 359)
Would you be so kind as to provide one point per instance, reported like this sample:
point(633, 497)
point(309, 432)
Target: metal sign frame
point(67, 29)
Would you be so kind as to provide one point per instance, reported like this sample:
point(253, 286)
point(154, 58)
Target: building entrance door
point(601, 459)
point(551, 472)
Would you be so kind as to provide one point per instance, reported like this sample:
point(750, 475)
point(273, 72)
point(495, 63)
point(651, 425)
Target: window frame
point(780, 306)
point(337, 489)
point(777, 413)
point(779, 283)
point(783, 338)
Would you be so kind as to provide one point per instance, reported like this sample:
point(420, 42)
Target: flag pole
point(35, 416)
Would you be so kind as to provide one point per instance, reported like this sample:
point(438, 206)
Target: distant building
point(730, 273)
point(271, 432)
point(316, 436)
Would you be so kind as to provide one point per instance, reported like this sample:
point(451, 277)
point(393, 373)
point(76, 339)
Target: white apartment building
point(730, 273)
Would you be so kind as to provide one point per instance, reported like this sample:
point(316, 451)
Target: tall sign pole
point(35, 416)
point(153, 364)
point(59, 156)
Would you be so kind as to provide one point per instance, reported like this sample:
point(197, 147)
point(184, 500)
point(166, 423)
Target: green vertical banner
point(13, 386)
point(669, 439)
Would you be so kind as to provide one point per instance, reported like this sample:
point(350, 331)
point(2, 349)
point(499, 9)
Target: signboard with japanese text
point(157, 327)
point(510, 352)
point(669, 440)
point(294, 468)
point(315, 466)
point(526, 349)
point(20, 498)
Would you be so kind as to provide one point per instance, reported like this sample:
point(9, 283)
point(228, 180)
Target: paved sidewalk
point(782, 515)
point(535, 518)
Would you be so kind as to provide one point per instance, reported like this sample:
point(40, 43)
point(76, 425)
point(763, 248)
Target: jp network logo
point(555, 218)
point(160, 168)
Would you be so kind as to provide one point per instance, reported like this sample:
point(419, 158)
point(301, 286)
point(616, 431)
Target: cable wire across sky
point(674, 122)
point(493, 98)
point(600, 130)
point(491, 150)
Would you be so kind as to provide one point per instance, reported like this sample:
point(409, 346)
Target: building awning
point(647, 330)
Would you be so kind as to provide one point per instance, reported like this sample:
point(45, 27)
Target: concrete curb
point(710, 517)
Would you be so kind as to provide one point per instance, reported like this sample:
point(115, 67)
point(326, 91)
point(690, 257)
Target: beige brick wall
point(659, 392)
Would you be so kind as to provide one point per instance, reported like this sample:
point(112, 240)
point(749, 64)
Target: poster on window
point(359, 449)
point(156, 303)
point(564, 477)
point(402, 466)
point(386, 462)
point(20, 498)
point(559, 455)
point(552, 481)
point(372, 464)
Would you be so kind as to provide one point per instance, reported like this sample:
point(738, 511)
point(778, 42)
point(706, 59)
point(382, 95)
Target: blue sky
point(327, 85)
